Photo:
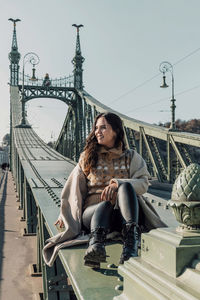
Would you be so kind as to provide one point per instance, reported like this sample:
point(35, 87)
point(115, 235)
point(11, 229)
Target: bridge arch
point(64, 94)
point(46, 116)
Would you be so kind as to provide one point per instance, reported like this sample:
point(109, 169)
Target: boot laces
point(98, 235)
point(130, 235)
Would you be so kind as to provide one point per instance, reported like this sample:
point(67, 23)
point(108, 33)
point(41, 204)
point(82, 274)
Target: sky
point(123, 43)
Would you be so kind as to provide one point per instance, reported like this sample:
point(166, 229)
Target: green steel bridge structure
point(40, 172)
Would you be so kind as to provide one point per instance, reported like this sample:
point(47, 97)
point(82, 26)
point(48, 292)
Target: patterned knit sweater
point(112, 163)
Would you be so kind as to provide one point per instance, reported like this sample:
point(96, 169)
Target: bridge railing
point(166, 152)
point(67, 81)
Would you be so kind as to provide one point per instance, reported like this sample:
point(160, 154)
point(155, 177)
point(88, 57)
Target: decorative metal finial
point(14, 21)
point(186, 199)
point(77, 27)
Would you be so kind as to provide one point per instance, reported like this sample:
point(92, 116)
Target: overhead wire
point(156, 75)
point(186, 56)
point(135, 88)
point(164, 99)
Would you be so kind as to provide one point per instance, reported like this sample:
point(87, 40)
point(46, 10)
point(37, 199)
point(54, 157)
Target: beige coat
point(75, 191)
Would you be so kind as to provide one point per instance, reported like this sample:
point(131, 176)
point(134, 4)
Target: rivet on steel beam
point(105, 273)
point(112, 266)
point(119, 287)
point(120, 278)
point(64, 286)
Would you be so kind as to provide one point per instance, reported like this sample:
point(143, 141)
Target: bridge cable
point(164, 99)
point(132, 90)
point(148, 80)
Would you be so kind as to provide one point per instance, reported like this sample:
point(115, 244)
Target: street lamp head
point(32, 58)
point(33, 78)
point(164, 67)
point(164, 85)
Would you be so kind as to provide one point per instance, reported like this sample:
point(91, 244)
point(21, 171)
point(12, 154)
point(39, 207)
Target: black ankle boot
point(96, 252)
point(130, 242)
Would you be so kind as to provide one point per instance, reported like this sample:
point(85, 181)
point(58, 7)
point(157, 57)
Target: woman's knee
point(104, 205)
point(126, 193)
point(102, 215)
point(126, 186)
point(128, 202)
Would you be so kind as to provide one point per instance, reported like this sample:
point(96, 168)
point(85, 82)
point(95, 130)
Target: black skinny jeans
point(105, 216)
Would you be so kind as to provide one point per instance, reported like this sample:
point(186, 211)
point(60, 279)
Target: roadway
point(17, 252)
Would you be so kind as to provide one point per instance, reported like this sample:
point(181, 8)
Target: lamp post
point(32, 58)
point(164, 67)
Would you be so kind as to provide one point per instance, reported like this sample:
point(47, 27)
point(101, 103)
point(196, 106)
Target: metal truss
point(62, 93)
point(166, 152)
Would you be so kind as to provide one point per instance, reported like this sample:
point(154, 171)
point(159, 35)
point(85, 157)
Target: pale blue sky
point(123, 42)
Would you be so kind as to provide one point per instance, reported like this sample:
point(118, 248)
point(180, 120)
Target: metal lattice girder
point(156, 171)
point(150, 129)
point(130, 137)
point(62, 93)
point(183, 164)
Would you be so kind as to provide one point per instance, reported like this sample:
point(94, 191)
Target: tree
point(6, 139)
point(192, 126)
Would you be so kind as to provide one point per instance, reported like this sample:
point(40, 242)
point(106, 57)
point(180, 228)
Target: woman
point(103, 193)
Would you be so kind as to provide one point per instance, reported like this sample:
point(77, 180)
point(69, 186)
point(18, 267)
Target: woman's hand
point(60, 223)
point(109, 193)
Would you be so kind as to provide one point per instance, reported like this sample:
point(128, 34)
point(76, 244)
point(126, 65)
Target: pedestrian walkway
point(17, 252)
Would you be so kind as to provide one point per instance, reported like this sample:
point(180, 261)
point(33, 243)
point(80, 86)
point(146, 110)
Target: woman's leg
point(97, 218)
point(129, 208)
point(128, 203)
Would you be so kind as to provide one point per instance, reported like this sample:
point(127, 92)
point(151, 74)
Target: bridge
point(40, 173)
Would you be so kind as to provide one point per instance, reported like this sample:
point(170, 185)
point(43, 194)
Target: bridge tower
point(78, 62)
point(78, 85)
point(14, 56)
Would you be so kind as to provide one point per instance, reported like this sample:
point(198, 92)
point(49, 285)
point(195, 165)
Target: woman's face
point(104, 133)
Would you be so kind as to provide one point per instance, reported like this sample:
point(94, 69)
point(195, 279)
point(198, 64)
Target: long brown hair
point(91, 147)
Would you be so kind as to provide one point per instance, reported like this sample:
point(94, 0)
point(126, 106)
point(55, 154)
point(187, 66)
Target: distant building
point(4, 158)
